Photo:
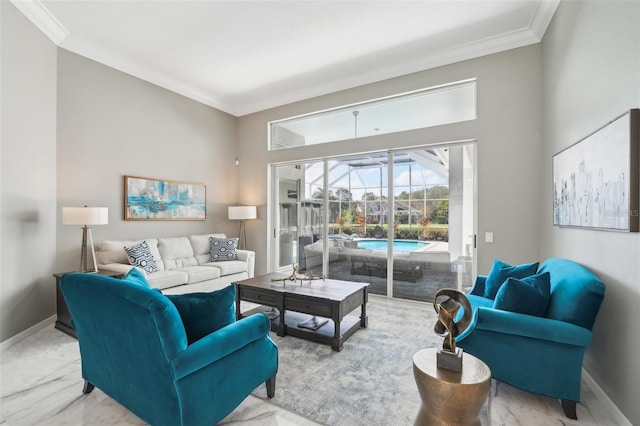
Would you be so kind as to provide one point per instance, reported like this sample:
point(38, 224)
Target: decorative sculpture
point(450, 356)
point(309, 276)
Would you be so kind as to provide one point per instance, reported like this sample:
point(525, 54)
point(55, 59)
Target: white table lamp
point(242, 213)
point(86, 216)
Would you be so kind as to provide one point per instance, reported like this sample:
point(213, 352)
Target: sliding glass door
point(402, 221)
point(433, 199)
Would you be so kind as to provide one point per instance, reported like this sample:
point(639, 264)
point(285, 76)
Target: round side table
point(449, 397)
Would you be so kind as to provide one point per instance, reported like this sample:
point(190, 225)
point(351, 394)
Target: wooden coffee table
point(324, 301)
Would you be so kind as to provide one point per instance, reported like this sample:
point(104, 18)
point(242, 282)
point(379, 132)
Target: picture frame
point(596, 181)
point(159, 199)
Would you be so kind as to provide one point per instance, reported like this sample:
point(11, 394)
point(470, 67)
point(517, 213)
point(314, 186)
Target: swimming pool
point(398, 245)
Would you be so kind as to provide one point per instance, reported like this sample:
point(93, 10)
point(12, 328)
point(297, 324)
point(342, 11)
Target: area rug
point(370, 382)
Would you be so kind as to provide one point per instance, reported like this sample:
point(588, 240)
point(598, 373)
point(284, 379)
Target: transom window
point(450, 103)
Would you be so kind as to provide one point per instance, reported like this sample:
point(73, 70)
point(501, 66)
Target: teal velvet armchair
point(171, 360)
point(540, 354)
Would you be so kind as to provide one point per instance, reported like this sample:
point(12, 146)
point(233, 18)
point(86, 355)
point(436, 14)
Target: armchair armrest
point(505, 322)
point(220, 343)
point(478, 285)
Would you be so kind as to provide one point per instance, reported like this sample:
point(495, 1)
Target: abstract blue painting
point(156, 199)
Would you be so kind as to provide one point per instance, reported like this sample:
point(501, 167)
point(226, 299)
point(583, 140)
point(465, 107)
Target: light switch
point(488, 237)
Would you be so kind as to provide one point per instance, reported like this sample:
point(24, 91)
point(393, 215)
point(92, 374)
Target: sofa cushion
point(223, 249)
point(140, 255)
point(202, 247)
point(166, 279)
point(528, 296)
point(499, 273)
point(229, 267)
point(479, 301)
point(204, 313)
point(176, 252)
point(112, 251)
point(200, 273)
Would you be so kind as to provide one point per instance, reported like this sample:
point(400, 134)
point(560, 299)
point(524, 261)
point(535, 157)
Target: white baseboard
point(6, 344)
point(609, 406)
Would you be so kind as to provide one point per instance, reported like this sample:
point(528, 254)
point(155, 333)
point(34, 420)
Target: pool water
point(398, 245)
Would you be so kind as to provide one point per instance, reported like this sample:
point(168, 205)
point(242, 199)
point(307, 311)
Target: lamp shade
point(242, 212)
point(85, 215)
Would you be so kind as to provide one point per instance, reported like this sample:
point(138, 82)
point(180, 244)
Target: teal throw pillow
point(204, 313)
point(499, 273)
point(528, 296)
point(223, 249)
point(136, 277)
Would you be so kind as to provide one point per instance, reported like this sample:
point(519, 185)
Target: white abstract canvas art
point(595, 179)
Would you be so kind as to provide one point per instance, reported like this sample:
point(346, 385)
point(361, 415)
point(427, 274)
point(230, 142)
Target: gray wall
point(591, 74)
point(71, 129)
point(28, 173)
point(111, 124)
point(508, 137)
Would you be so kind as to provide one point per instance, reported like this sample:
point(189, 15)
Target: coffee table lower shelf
point(325, 334)
point(335, 301)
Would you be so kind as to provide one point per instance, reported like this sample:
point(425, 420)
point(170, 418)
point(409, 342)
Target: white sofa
point(184, 263)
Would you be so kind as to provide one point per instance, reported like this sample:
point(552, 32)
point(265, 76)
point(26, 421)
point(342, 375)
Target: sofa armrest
point(220, 343)
point(478, 286)
point(505, 322)
point(248, 256)
point(120, 268)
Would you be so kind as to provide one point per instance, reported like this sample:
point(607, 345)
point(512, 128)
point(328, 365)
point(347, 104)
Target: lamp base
point(242, 240)
point(87, 241)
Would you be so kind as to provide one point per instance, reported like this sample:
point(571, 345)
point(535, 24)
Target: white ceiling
point(246, 56)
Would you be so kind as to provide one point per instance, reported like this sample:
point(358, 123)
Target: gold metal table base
point(449, 397)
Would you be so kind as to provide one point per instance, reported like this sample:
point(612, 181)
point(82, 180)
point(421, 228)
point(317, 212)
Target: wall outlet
point(488, 237)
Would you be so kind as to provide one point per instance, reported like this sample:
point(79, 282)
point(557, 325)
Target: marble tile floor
point(40, 384)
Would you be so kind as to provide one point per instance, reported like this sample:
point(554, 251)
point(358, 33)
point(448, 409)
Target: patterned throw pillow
point(223, 249)
point(140, 256)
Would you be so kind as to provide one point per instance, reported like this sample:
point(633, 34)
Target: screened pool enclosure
point(401, 220)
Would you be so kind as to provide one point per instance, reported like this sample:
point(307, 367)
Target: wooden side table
point(63, 320)
point(449, 397)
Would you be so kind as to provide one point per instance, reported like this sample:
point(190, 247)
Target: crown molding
point(43, 19)
point(428, 60)
point(118, 62)
point(533, 33)
point(40, 16)
point(545, 9)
